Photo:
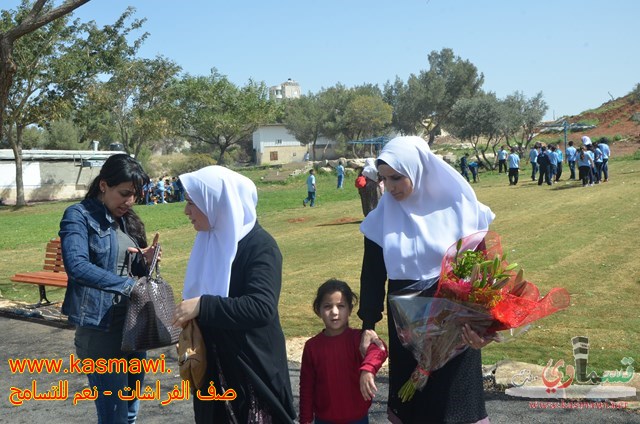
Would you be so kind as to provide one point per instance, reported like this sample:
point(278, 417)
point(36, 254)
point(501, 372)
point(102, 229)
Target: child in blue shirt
point(514, 166)
point(311, 189)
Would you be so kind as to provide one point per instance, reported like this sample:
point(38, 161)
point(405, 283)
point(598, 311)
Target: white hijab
point(370, 171)
point(229, 200)
point(416, 232)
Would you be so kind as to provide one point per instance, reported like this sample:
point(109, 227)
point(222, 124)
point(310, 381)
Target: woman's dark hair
point(332, 286)
point(118, 169)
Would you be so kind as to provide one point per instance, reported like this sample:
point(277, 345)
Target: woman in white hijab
point(427, 206)
point(232, 287)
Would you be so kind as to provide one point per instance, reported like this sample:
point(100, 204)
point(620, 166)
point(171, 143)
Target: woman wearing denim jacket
point(97, 236)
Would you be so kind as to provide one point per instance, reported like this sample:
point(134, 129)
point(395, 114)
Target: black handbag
point(150, 312)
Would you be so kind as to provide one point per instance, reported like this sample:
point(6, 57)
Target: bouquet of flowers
point(477, 286)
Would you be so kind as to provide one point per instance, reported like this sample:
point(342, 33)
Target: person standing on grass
point(585, 163)
point(502, 160)
point(533, 159)
point(597, 153)
point(464, 166)
point(560, 156)
point(571, 160)
point(337, 384)
point(553, 162)
point(340, 171)
point(372, 189)
point(606, 152)
point(514, 166)
point(160, 191)
point(311, 189)
point(545, 166)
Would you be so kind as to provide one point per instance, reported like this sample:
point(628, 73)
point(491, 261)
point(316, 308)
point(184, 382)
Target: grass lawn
point(583, 239)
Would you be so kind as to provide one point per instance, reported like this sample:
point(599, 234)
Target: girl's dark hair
point(118, 169)
point(332, 286)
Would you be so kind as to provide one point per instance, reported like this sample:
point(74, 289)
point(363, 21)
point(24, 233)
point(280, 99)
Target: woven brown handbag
point(150, 312)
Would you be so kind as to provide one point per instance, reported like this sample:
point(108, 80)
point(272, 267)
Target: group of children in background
point(591, 159)
point(163, 191)
point(546, 162)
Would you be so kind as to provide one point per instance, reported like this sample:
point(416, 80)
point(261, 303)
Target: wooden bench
point(53, 273)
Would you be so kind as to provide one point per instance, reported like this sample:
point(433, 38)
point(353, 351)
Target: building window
point(273, 156)
point(279, 141)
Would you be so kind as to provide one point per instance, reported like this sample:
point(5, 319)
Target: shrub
point(192, 163)
point(589, 122)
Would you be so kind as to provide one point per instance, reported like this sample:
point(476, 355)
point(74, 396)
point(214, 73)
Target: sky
point(578, 53)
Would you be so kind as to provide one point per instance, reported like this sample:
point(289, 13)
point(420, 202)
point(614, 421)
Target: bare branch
point(36, 20)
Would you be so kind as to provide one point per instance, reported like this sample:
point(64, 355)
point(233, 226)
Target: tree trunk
point(16, 146)
point(223, 149)
point(432, 137)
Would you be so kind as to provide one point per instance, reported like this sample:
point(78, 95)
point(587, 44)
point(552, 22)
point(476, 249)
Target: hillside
point(614, 120)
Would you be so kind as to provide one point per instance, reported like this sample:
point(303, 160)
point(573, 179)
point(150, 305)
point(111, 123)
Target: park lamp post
point(565, 125)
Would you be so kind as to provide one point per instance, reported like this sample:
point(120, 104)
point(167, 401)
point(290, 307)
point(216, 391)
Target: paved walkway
point(23, 339)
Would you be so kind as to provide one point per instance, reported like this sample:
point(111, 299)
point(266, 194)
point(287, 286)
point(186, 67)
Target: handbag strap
point(154, 262)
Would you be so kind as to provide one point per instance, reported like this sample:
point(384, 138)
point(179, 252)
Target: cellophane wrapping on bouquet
point(477, 286)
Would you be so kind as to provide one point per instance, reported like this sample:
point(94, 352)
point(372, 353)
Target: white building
point(287, 90)
point(274, 144)
point(50, 174)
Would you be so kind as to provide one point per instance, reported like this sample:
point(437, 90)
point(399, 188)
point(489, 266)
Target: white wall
point(273, 136)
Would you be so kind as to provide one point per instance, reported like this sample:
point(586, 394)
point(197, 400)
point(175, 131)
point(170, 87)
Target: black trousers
point(513, 176)
point(545, 173)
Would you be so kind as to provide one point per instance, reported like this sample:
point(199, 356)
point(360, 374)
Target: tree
point(366, 116)
point(37, 16)
point(478, 120)
point(334, 102)
point(46, 64)
point(353, 113)
point(212, 110)
point(63, 135)
point(136, 101)
point(428, 98)
point(524, 117)
point(304, 119)
point(395, 94)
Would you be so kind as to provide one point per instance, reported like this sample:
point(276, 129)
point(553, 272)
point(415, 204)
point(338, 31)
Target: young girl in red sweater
point(336, 382)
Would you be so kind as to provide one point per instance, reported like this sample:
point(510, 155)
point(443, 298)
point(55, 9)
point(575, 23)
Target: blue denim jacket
point(90, 252)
